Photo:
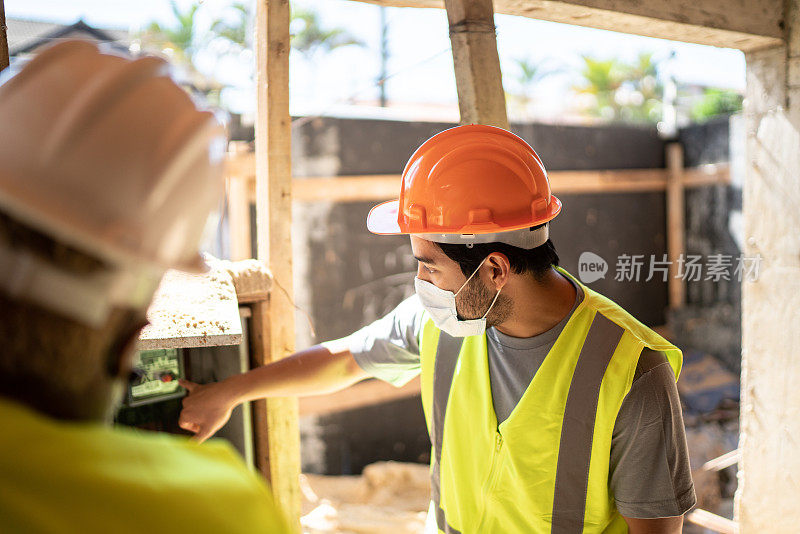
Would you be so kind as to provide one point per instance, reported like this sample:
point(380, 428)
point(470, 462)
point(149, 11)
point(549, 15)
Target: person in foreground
point(108, 173)
point(550, 408)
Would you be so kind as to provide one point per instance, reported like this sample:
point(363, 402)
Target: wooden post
point(277, 436)
point(4, 59)
point(239, 206)
point(676, 241)
point(481, 98)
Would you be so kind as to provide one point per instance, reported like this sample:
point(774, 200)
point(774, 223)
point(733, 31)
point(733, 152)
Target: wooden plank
point(715, 174)
point(239, 203)
point(277, 436)
point(4, 59)
point(742, 24)
point(481, 98)
point(366, 393)
point(712, 521)
point(346, 188)
point(676, 241)
point(239, 224)
point(722, 462)
point(386, 186)
point(192, 310)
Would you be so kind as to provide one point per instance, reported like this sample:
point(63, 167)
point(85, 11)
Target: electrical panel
point(155, 376)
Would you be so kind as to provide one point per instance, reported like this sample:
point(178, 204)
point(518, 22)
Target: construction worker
point(549, 407)
point(108, 173)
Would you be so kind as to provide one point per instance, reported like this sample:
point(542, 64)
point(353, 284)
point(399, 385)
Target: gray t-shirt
point(649, 472)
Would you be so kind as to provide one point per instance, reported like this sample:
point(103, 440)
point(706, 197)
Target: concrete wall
point(769, 466)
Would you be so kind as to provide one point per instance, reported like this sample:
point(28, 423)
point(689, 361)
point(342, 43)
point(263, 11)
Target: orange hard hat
point(471, 184)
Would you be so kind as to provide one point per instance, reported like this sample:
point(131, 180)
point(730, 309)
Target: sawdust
point(387, 497)
point(190, 310)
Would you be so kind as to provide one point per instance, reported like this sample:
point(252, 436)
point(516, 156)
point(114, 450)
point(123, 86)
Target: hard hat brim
point(382, 219)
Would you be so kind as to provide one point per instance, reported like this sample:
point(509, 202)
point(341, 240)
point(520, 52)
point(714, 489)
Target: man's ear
point(499, 269)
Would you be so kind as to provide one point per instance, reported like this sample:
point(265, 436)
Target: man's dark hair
point(536, 261)
point(48, 361)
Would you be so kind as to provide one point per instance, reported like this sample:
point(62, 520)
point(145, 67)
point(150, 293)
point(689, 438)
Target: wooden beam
point(238, 204)
point(743, 24)
point(385, 186)
point(277, 435)
point(4, 59)
point(366, 393)
point(481, 98)
point(676, 240)
point(713, 522)
point(722, 462)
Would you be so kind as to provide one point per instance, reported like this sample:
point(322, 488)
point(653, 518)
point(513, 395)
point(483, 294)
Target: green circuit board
point(157, 373)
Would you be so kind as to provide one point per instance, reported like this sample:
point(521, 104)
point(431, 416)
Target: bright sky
point(418, 47)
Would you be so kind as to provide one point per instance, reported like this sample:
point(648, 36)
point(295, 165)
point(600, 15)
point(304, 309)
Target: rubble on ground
point(387, 497)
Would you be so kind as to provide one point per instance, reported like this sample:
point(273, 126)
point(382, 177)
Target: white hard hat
point(107, 155)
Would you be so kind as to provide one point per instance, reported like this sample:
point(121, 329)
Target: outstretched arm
point(314, 371)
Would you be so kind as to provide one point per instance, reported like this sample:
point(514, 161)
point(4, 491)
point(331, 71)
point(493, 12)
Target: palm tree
point(311, 37)
point(602, 79)
point(179, 40)
point(308, 37)
point(643, 79)
point(623, 91)
point(240, 31)
point(529, 73)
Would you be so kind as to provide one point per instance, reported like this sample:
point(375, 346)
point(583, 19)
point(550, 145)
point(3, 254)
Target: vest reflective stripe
point(447, 351)
point(544, 469)
point(572, 477)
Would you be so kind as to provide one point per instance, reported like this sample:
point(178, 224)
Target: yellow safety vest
point(545, 468)
point(77, 477)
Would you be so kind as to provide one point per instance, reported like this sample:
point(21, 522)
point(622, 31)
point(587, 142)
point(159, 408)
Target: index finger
point(189, 385)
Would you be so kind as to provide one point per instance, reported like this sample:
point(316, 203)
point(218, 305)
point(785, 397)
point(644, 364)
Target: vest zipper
point(491, 480)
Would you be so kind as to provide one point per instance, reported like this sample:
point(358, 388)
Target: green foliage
point(309, 36)
point(239, 31)
point(716, 102)
point(180, 37)
point(527, 75)
point(622, 91)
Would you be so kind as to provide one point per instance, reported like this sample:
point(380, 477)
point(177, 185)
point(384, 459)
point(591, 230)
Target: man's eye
point(430, 270)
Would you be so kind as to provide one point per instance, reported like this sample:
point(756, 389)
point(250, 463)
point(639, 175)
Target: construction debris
point(387, 497)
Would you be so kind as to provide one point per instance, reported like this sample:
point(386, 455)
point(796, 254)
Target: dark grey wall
point(349, 277)
point(352, 277)
point(357, 276)
point(711, 319)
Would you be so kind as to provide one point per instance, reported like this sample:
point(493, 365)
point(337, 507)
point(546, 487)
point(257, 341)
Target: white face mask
point(441, 305)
